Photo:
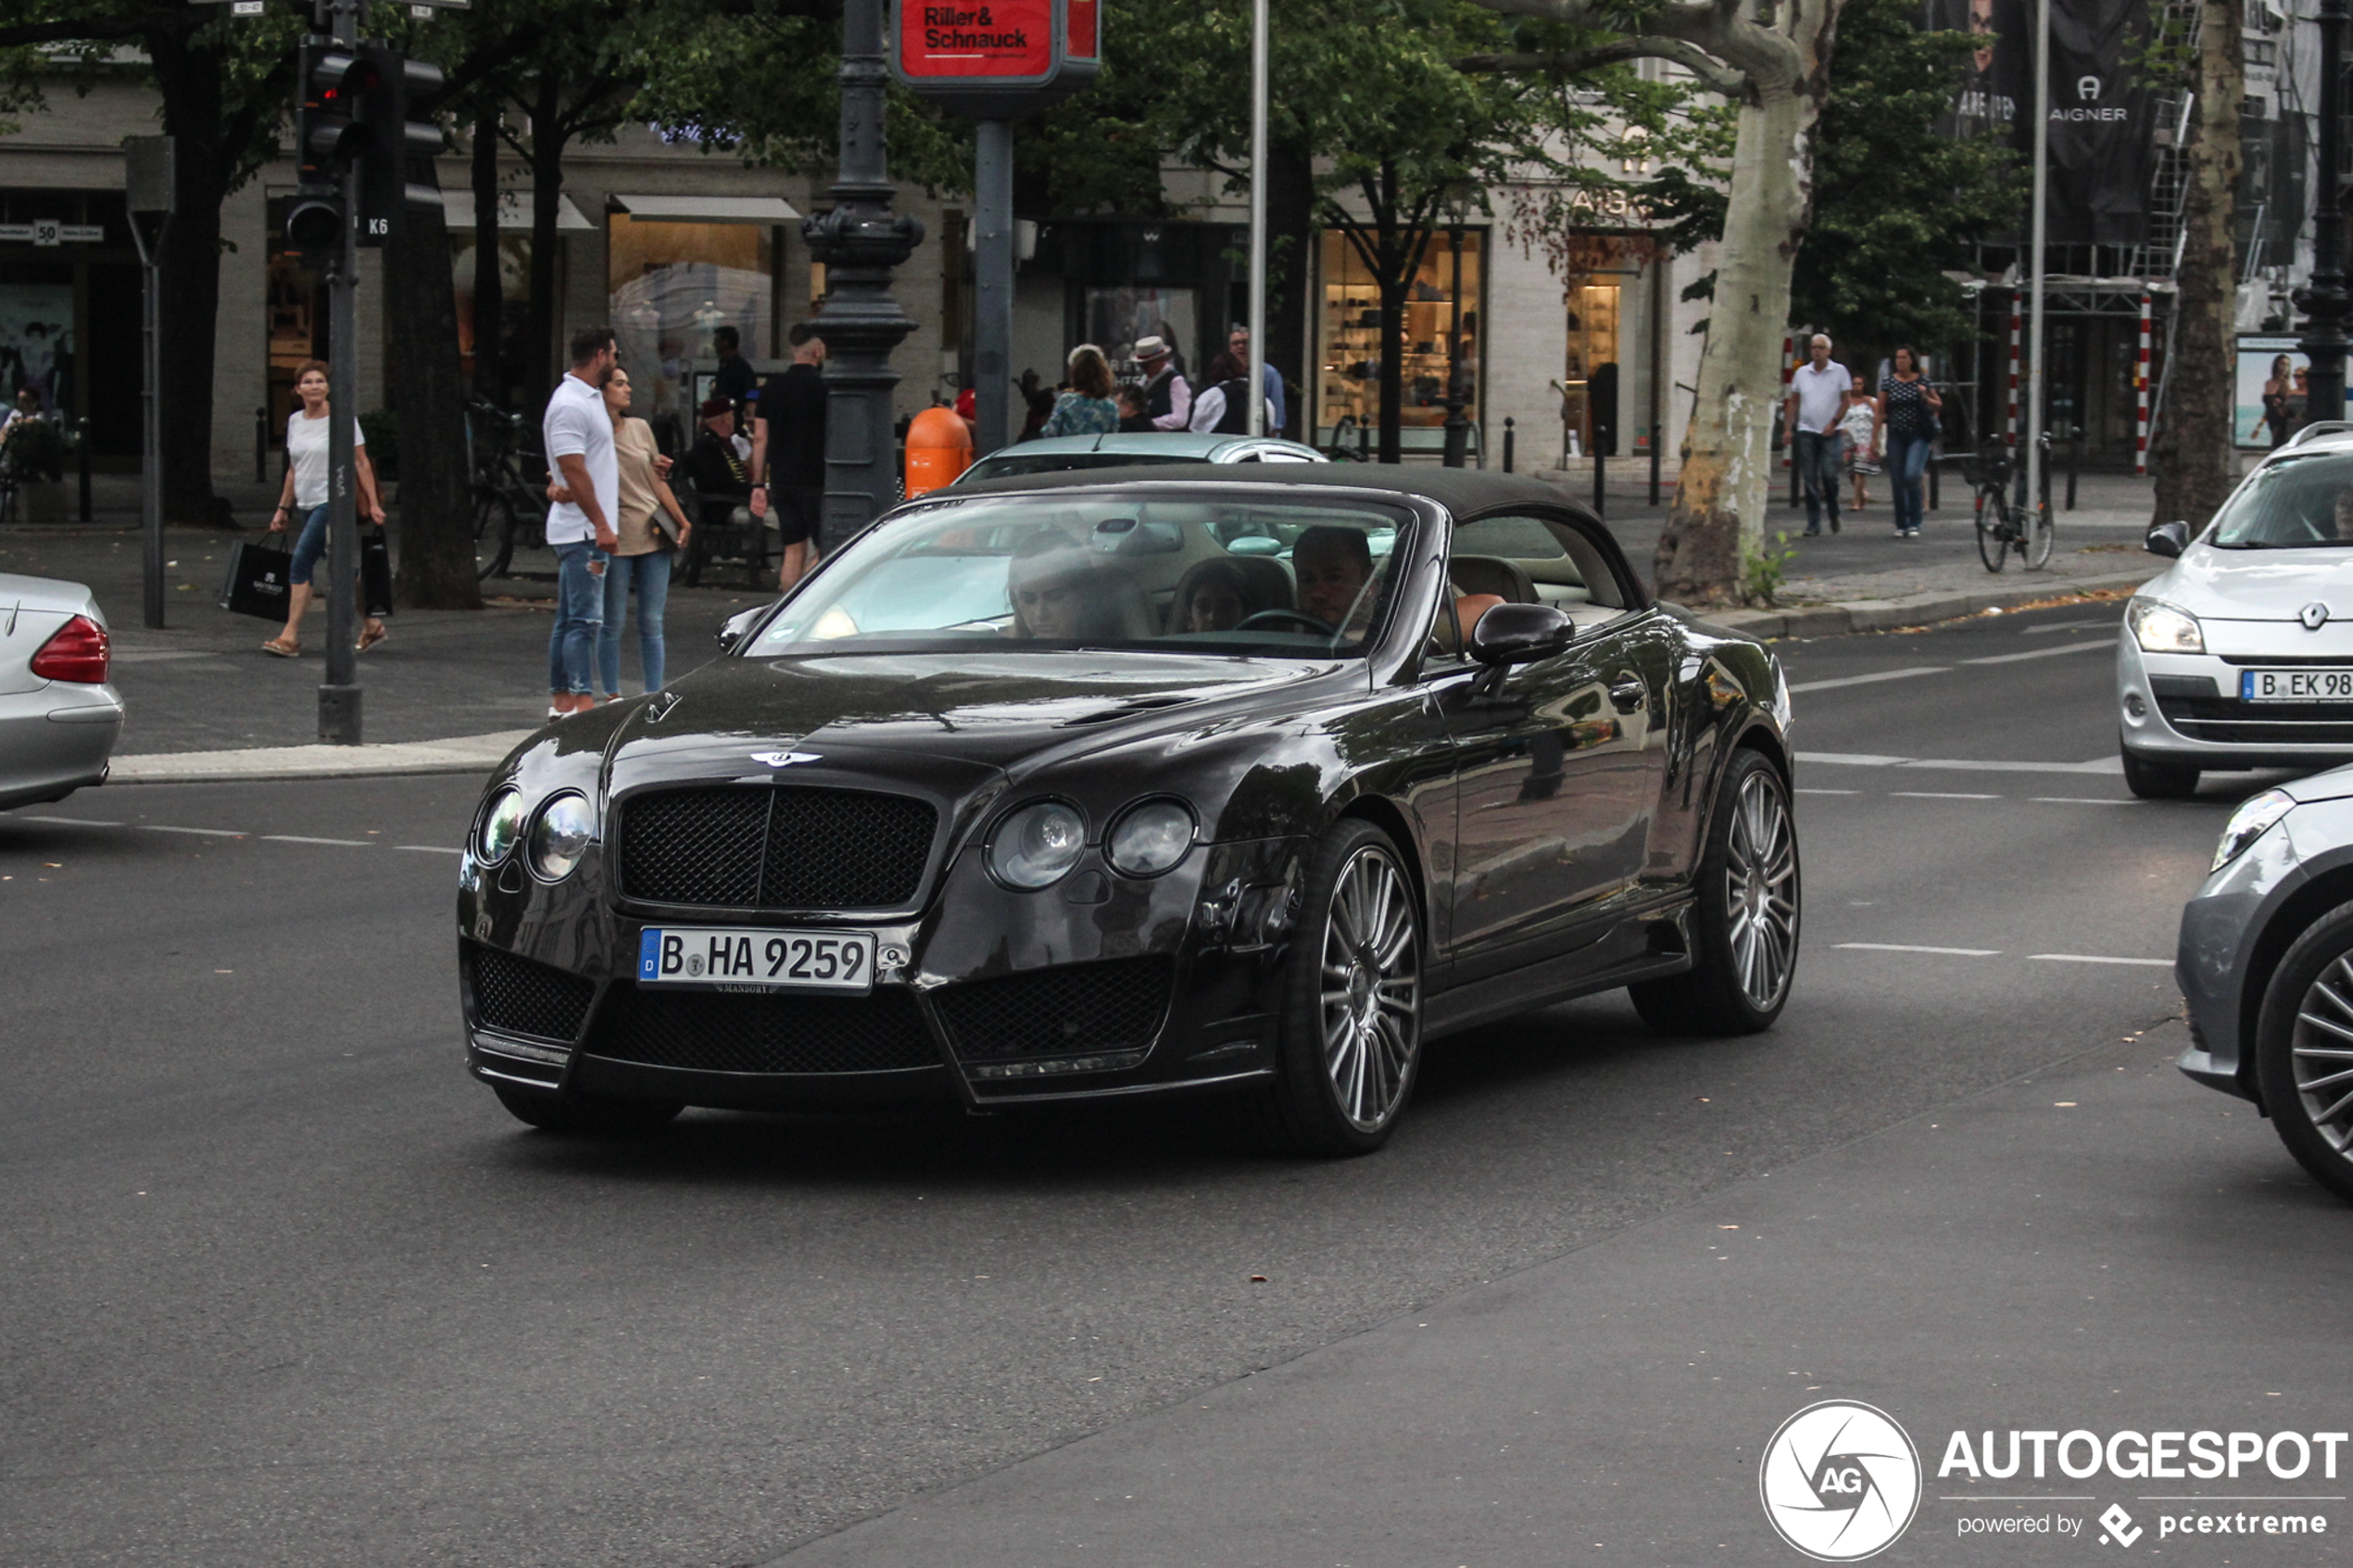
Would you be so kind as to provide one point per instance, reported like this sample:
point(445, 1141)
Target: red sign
point(1083, 43)
point(999, 40)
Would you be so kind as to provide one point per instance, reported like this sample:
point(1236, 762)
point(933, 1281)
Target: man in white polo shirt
point(1818, 394)
point(579, 433)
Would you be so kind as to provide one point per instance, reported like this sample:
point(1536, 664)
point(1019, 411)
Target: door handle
point(1625, 696)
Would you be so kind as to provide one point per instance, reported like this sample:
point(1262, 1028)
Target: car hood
point(987, 709)
point(2258, 584)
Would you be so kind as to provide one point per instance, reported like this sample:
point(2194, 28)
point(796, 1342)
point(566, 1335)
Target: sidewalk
point(450, 691)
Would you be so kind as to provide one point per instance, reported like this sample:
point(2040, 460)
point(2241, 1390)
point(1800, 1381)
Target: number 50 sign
point(995, 59)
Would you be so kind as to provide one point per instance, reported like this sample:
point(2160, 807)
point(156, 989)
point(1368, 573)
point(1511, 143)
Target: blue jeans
point(650, 572)
point(580, 610)
point(1906, 461)
point(1818, 464)
point(309, 545)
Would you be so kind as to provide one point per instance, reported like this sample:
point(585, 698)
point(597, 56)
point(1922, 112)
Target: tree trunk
point(490, 298)
point(436, 537)
point(1291, 209)
point(2196, 453)
point(188, 303)
point(547, 202)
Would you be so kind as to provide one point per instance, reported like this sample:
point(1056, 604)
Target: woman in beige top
point(644, 556)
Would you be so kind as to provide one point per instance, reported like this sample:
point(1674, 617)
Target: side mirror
point(2169, 539)
point(1520, 634)
point(737, 627)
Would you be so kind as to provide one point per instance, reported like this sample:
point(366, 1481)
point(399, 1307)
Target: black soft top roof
point(1460, 491)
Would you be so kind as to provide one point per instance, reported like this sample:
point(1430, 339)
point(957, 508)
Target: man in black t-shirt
point(788, 451)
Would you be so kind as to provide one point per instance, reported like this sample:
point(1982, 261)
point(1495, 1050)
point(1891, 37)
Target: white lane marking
point(1829, 792)
point(1907, 948)
point(2094, 958)
point(1867, 679)
point(208, 833)
point(2078, 800)
point(2039, 653)
point(428, 849)
point(62, 821)
point(2063, 626)
point(298, 838)
point(1937, 795)
point(1867, 759)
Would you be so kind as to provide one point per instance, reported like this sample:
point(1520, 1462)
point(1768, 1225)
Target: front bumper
point(55, 739)
point(2184, 710)
point(1097, 986)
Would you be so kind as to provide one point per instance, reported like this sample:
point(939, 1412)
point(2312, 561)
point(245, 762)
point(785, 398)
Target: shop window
point(1115, 317)
point(672, 287)
point(1591, 409)
point(514, 300)
point(36, 335)
point(1348, 341)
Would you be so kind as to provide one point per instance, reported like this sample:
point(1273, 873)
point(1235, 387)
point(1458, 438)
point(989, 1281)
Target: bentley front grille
point(757, 847)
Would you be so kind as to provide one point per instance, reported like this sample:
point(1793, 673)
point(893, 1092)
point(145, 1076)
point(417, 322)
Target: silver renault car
point(59, 714)
point(2241, 655)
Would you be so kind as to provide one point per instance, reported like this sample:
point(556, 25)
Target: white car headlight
point(2159, 627)
point(566, 826)
point(501, 825)
point(2253, 817)
point(1033, 848)
point(1151, 837)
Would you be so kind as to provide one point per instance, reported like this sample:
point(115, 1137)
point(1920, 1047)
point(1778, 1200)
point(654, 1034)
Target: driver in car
point(1333, 566)
point(2345, 513)
point(1047, 583)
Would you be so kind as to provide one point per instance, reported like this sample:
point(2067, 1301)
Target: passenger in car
point(1213, 598)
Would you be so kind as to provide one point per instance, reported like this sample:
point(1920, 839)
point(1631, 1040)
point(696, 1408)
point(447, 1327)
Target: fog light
point(2134, 706)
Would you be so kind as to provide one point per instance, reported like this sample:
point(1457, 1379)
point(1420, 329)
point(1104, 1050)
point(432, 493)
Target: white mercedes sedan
point(60, 717)
point(2241, 655)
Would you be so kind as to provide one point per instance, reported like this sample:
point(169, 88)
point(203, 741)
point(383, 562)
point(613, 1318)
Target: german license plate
point(762, 958)
point(2296, 685)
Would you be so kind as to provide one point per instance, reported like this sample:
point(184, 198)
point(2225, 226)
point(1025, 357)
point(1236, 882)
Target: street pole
point(149, 180)
point(992, 284)
point(2032, 493)
point(2324, 301)
point(859, 242)
point(339, 695)
point(1256, 370)
point(1457, 427)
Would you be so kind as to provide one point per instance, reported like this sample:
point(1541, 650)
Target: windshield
point(1012, 465)
point(2293, 503)
point(1068, 570)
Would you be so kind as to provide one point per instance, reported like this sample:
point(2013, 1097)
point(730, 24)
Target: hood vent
point(1127, 709)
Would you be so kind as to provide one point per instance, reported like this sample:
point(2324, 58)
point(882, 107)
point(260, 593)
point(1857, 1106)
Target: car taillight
point(78, 652)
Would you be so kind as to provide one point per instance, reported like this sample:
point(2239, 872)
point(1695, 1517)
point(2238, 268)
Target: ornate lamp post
point(2324, 301)
point(858, 243)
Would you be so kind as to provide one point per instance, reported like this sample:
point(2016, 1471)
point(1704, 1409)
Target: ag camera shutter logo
point(1841, 1481)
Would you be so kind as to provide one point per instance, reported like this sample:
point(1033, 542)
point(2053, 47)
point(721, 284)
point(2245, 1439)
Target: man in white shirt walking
point(1818, 398)
point(579, 435)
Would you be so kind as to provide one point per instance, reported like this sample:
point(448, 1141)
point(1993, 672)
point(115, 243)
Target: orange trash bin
point(939, 446)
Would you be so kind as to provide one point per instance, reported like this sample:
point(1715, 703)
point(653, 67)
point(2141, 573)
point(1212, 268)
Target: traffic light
point(390, 85)
point(328, 136)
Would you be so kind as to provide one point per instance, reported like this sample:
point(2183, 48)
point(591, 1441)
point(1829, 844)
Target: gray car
point(2266, 962)
point(1060, 454)
point(60, 717)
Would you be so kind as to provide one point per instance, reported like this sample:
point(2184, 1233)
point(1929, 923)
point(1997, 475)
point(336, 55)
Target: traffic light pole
point(339, 697)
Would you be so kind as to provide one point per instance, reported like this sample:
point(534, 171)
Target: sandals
point(282, 648)
point(370, 637)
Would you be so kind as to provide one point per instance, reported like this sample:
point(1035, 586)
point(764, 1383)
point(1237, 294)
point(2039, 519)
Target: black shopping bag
point(375, 570)
point(255, 582)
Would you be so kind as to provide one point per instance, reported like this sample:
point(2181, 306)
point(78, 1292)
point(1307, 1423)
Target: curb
point(1921, 610)
point(464, 754)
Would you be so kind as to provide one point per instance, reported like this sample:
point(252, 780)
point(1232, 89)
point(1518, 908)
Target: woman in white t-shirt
point(305, 491)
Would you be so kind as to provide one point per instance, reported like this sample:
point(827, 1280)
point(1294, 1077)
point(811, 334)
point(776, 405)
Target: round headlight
point(501, 825)
point(2256, 815)
point(562, 836)
point(1150, 838)
point(1034, 846)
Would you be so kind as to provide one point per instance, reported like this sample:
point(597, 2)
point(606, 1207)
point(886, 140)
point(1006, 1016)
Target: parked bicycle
point(509, 487)
point(2003, 526)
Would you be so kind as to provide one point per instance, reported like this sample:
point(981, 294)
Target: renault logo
point(2314, 616)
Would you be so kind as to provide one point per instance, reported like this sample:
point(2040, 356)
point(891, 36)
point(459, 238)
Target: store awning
point(514, 212)
point(707, 209)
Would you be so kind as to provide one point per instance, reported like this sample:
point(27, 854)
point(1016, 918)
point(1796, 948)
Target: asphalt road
point(284, 1288)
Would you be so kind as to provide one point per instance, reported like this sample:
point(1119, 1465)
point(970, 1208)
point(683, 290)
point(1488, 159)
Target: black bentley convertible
point(1113, 783)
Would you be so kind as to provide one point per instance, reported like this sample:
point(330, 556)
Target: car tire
point(1745, 918)
point(1351, 1046)
point(2310, 1096)
point(585, 1116)
point(2158, 781)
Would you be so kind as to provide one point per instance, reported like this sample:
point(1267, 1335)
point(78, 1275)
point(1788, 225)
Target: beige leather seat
point(1507, 579)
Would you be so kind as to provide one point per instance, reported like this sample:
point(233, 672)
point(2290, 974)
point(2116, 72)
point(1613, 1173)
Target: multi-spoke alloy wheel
point(2304, 1049)
point(1744, 916)
point(1351, 1028)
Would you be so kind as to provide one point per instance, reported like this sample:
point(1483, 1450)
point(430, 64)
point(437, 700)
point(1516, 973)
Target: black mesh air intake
point(518, 996)
point(1069, 1009)
point(753, 846)
point(720, 1031)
